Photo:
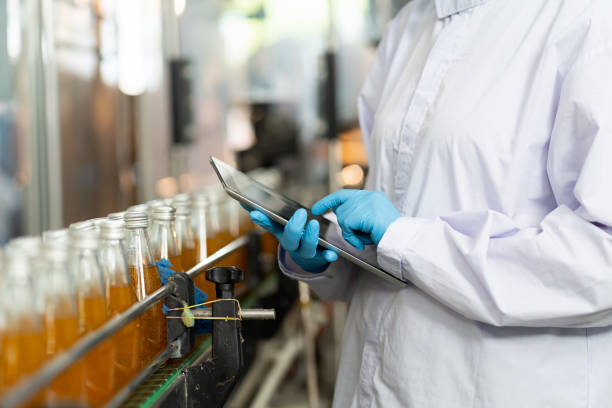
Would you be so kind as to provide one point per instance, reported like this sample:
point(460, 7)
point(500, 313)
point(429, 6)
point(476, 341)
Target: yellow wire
point(205, 318)
point(210, 302)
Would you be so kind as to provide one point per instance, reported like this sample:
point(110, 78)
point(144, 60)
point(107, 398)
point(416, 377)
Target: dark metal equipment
point(209, 383)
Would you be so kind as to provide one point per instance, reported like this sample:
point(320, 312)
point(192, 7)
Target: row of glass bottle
point(58, 288)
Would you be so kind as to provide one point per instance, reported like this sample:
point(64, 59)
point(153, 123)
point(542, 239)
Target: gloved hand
point(302, 243)
point(164, 268)
point(363, 215)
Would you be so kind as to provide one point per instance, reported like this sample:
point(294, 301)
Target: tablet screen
point(280, 208)
point(263, 195)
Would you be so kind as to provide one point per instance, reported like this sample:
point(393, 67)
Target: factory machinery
point(193, 370)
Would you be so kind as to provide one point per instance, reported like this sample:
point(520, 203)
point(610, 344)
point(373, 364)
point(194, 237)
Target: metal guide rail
point(50, 370)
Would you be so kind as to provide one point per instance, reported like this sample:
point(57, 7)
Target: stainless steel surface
point(57, 365)
point(246, 314)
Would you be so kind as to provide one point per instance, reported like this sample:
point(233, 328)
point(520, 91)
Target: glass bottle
point(218, 221)
point(184, 233)
point(23, 341)
point(163, 237)
point(93, 313)
point(199, 222)
point(120, 296)
point(60, 319)
point(151, 205)
point(145, 279)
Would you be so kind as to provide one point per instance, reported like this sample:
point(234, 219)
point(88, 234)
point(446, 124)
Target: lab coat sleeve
point(337, 282)
point(559, 274)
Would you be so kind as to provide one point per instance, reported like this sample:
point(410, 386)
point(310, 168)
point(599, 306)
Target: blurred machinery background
point(108, 103)
point(104, 103)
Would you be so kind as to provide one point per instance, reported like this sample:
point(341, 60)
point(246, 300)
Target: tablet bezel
point(237, 195)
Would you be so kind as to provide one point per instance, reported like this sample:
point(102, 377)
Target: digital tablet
point(280, 208)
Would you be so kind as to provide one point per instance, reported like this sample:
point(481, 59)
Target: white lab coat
point(489, 125)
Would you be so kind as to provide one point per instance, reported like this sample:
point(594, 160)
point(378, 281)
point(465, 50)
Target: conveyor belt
point(164, 378)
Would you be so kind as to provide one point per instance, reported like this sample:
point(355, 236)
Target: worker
point(488, 130)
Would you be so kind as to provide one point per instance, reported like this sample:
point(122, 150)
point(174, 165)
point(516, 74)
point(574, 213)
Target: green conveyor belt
point(160, 381)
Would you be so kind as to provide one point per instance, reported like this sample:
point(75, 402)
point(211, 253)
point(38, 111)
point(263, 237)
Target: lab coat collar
point(445, 8)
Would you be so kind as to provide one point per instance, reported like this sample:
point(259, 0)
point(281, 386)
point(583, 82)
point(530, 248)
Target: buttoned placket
point(442, 55)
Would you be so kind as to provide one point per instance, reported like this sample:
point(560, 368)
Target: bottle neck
point(113, 262)
point(163, 240)
point(86, 272)
point(138, 248)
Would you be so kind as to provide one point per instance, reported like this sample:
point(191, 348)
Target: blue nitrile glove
point(363, 215)
point(302, 243)
point(164, 268)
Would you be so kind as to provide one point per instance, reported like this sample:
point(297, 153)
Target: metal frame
point(30, 386)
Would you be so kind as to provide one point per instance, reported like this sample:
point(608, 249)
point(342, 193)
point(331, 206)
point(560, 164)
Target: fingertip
point(330, 256)
point(255, 216)
point(354, 241)
point(313, 227)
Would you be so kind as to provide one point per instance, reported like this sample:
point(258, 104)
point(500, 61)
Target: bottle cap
point(17, 264)
point(112, 229)
point(200, 200)
point(181, 198)
point(84, 239)
point(136, 219)
point(137, 208)
point(55, 235)
point(98, 221)
point(28, 246)
point(116, 216)
point(57, 239)
point(52, 252)
point(154, 203)
point(164, 213)
point(82, 225)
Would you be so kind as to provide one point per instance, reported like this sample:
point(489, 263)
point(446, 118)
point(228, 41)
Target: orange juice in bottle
point(61, 321)
point(93, 313)
point(145, 280)
point(184, 234)
point(120, 295)
point(23, 341)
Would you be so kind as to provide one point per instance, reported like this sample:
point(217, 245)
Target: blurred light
point(130, 28)
point(187, 182)
point(240, 132)
point(179, 7)
point(351, 175)
point(13, 29)
point(166, 187)
point(237, 33)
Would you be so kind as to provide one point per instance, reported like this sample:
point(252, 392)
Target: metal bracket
point(181, 296)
